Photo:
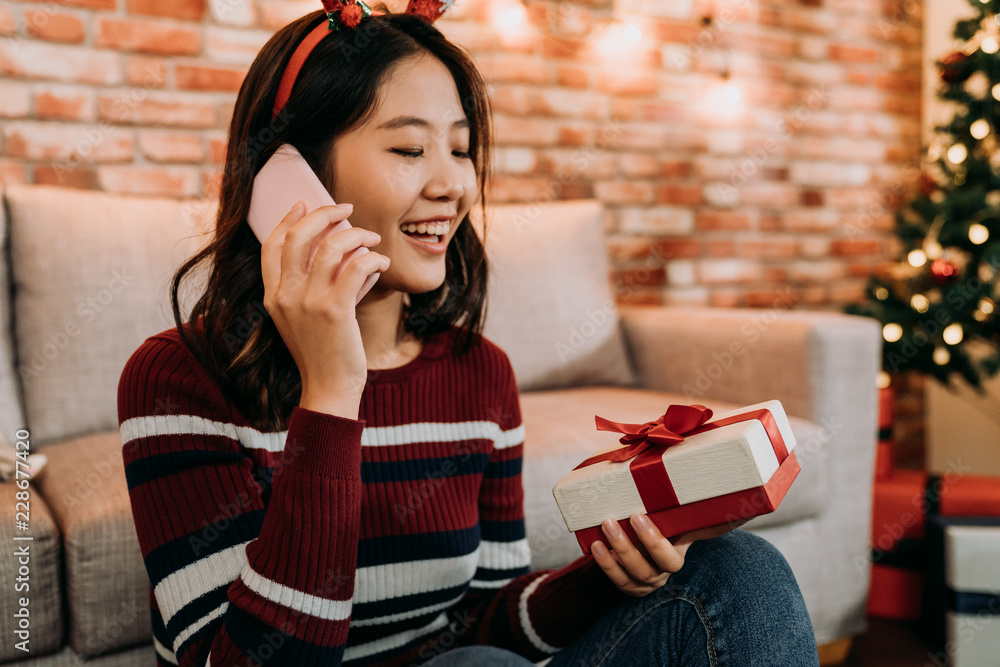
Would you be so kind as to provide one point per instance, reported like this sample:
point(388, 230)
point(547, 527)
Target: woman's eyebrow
point(403, 121)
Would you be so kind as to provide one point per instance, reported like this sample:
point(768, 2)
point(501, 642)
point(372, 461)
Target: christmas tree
point(937, 305)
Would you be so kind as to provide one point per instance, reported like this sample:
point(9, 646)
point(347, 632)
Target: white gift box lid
point(727, 459)
point(972, 555)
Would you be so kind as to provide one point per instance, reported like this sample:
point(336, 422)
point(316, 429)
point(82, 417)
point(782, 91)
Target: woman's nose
point(447, 182)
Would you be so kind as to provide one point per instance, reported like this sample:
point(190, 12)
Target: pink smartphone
point(283, 180)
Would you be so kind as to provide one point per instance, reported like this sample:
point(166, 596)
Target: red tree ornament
point(954, 67)
point(944, 271)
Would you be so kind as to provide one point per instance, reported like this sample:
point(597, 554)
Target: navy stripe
point(186, 549)
point(502, 531)
point(270, 646)
point(375, 632)
point(387, 549)
point(379, 472)
point(388, 654)
point(149, 468)
point(500, 469)
point(197, 609)
point(974, 603)
point(396, 605)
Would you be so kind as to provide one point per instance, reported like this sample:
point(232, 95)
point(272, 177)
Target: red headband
point(344, 14)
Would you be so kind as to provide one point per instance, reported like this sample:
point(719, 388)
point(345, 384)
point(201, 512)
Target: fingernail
point(297, 206)
point(347, 205)
point(642, 522)
point(611, 529)
point(598, 549)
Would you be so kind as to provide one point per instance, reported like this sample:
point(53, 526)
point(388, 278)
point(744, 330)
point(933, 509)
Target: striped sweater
point(384, 540)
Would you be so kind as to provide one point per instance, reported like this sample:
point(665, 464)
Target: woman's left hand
point(638, 570)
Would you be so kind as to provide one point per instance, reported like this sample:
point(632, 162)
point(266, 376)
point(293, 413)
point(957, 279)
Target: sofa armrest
point(819, 365)
point(822, 367)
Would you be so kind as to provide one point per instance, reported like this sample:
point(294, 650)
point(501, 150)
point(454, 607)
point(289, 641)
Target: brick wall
point(783, 200)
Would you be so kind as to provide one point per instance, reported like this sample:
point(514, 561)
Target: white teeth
point(437, 228)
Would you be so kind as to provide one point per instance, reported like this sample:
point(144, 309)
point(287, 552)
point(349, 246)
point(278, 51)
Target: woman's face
point(408, 164)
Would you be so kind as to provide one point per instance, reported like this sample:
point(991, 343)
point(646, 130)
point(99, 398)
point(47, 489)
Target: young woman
point(316, 481)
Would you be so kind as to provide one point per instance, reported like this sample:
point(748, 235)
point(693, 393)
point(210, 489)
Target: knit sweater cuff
point(323, 444)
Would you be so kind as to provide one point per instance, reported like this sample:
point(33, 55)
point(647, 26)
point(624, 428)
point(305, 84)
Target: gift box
point(895, 592)
point(962, 603)
point(685, 470)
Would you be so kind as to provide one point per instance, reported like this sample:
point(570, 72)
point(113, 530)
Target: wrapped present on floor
point(685, 470)
point(962, 603)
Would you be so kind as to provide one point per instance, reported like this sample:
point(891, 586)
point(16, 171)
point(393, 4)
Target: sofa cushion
point(106, 581)
point(44, 593)
point(550, 306)
point(560, 433)
point(11, 415)
point(91, 273)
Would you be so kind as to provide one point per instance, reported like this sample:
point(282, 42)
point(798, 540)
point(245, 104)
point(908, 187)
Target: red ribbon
point(645, 444)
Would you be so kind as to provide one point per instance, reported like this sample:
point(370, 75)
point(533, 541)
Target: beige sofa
point(84, 282)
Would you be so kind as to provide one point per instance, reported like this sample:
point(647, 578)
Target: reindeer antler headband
point(345, 14)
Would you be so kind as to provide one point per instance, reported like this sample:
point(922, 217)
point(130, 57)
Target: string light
point(632, 33)
point(957, 154)
point(892, 332)
point(881, 293)
point(990, 44)
point(986, 305)
point(941, 356)
point(933, 249)
point(953, 334)
point(979, 129)
point(916, 258)
point(884, 380)
point(996, 91)
point(978, 233)
point(920, 303)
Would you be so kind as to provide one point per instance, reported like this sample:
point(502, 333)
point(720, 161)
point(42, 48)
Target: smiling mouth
point(427, 232)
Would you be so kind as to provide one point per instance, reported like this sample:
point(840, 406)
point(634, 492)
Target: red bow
point(669, 429)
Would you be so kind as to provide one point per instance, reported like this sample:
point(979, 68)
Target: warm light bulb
point(916, 258)
point(980, 128)
point(941, 356)
point(978, 233)
point(986, 305)
point(957, 154)
point(632, 33)
point(989, 44)
point(953, 334)
point(884, 380)
point(920, 303)
point(996, 91)
point(932, 249)
point(508, 16)
point(881, 293)
point(892, 332)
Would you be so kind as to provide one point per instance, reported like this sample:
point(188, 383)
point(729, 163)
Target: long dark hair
point(336, 90)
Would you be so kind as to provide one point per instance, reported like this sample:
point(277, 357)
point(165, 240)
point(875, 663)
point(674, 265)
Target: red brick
point(624, 192)
point(184, 10)
point(89, 4)
point(854, 54)
point(624, 249)
point(217, 150)
point(12, 173)
point(814, 295)
point(675, 169)
point(513, 68)
point(724, 221)
point(512, 189)
point(64, 103)
point(564, 47)
point(67, 177)
point(811, 198)
point(211, 184)
point(146, 72)
point(15, 100)
point(159, 146)
point(568, 76)
point(631, 83)
point(525, 131)
point(635, 297)
point(68, 143)
point(769, 248)
point(54, 27)
point(8, 26)
point(723, 298)
point(720, 248)
point(576, 191)
point(780, 298)
point(35, 59)
point(147, 37)
point(685, 195)
point(170, 111)
point(138, 180)
point(853, 247)
point(677, 248)
point(206, 77)
point(652, 277)
point(774, 274)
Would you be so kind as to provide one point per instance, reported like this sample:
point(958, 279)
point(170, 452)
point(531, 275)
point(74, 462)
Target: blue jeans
point(734, 603)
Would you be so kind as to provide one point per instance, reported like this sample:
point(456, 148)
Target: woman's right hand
point(314, 313)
